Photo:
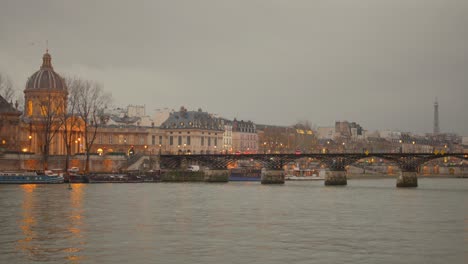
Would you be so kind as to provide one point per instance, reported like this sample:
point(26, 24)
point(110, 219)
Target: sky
point(380, 63)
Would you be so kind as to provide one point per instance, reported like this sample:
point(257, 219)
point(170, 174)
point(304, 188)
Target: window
point(209, 141)
point(216, 141)
point(30, 108)
point(100, 139)
point(171, 140)
point(202, 141)
point(142, 140)
point(153, 140)
point(110, 139)
point(160, 139)
point(179, 140)
point(188, 140)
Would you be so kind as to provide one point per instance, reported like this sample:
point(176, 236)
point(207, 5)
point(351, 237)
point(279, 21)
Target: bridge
point(335, 162)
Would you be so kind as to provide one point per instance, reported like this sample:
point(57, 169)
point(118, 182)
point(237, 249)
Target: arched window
point(30, 108)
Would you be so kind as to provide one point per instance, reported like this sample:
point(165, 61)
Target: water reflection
point(28, 221)
point(51, 226)
point(76, 221)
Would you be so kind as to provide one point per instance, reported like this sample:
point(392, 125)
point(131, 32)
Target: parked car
point(73, 170)
point(193, 168)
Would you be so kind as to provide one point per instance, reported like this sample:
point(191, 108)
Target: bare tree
point(304, 138)
point(48, 125)
point(91, 103)
point(6, 88)
point(70, 121)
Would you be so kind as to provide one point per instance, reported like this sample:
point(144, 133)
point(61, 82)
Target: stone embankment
point(195, 176)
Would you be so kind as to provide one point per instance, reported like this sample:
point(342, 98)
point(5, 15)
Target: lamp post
point(30, 143)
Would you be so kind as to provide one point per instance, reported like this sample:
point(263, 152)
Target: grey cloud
point(380, 63)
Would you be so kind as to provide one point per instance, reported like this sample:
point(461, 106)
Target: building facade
point(244, 137)
point(192, 132)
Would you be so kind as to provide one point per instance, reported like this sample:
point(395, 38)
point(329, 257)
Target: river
point(368, 221)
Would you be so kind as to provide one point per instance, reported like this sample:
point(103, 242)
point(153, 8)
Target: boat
point(75, 178)
point(314, 177)
point(245, 174)
point(28, 178)
point(114, 178)
point(304, 175)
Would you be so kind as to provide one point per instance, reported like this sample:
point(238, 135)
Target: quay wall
point(106, 163)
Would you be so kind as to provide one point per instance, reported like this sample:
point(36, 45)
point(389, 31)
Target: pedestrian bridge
point(335, 162)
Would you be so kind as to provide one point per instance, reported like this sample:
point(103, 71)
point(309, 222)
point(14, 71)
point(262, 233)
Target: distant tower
point(436, 117)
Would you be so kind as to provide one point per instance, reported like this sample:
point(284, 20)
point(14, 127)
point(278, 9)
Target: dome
point(46, 77)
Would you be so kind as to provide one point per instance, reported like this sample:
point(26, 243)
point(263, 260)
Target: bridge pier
point(272, 177)
point(335, 178)
point(407, 179)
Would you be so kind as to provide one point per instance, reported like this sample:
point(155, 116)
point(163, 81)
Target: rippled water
point(368, 221)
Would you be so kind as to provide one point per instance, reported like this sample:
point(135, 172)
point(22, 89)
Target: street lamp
point(30, 142)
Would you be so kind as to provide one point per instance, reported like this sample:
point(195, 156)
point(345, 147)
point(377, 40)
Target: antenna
point(436, 129)
point(47, 45)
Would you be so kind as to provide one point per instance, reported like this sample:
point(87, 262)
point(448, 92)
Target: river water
point(368, 221)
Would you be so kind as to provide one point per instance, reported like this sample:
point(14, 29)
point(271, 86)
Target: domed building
point(45, 97)
point(46, 92)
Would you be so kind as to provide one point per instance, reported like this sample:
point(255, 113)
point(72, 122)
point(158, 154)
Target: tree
point(304, 138)
point(6, 88)
point(91, 103)
point(70, 121)
point(49, 123)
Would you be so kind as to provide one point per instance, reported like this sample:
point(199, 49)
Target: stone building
point(45, 97)
point(9, 126)
point(227, 137)
point(192, 132)
point(244, 137)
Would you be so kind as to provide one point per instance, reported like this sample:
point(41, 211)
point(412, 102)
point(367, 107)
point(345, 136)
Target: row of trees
point(84, 112)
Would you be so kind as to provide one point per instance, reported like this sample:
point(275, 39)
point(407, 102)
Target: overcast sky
point(378, 63)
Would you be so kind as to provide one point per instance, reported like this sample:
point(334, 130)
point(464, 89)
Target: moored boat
point(114, 178)
point(314, 177)
point(28, 178)
point(245, 174)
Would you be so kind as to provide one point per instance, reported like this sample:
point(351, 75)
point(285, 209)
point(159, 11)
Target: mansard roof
point(193, 120)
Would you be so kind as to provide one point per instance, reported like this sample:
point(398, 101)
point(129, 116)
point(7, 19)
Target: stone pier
point(216, 176)
point(272, 177)
point(407, 179)
point(335, 178)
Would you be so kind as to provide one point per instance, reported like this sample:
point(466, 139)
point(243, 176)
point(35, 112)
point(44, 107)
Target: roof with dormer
point(192, 120)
